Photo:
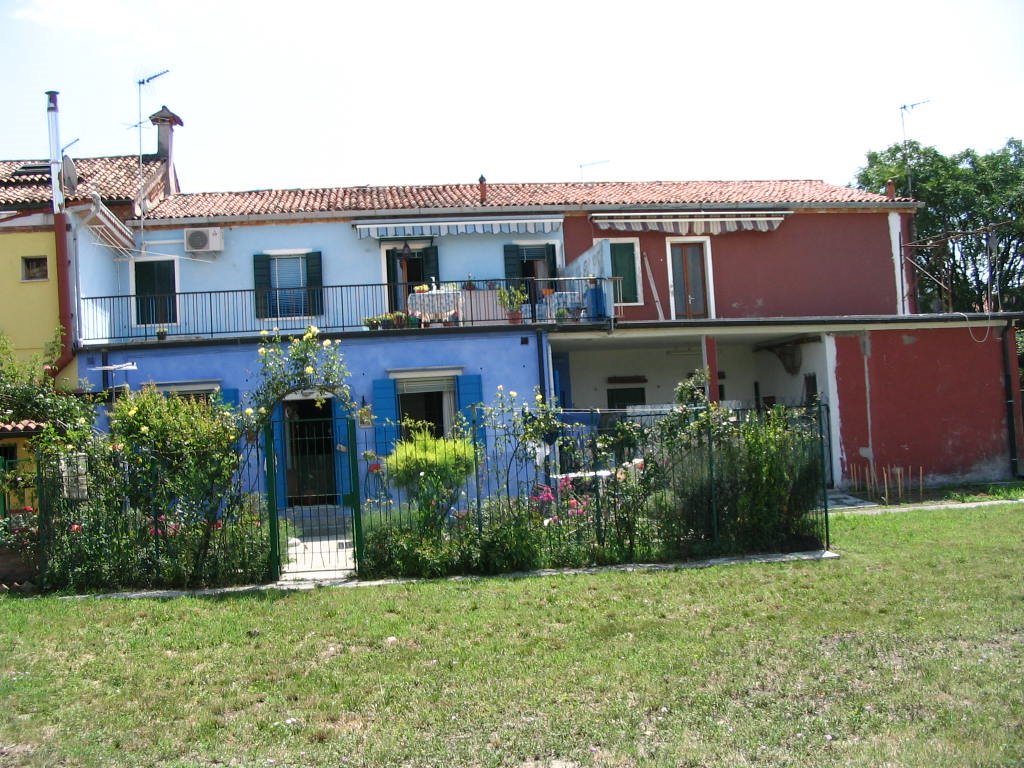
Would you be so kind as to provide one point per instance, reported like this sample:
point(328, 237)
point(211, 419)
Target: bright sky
point(305, 94)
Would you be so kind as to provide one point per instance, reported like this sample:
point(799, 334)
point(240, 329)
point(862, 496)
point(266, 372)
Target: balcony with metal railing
point(345, 308)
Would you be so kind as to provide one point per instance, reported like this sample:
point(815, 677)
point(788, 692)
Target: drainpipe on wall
point(60, 238)
point(1009, 337)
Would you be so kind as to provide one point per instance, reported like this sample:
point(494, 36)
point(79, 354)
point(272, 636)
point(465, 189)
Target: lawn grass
point(907, 651)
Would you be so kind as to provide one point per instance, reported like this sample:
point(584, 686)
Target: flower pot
point(161, 335)
point(515, 317)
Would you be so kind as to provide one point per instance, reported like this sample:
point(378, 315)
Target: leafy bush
point(433, 470)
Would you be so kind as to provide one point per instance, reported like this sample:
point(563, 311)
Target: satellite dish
point(68, 175)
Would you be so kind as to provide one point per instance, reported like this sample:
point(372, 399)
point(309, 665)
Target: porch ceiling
point(679, 338)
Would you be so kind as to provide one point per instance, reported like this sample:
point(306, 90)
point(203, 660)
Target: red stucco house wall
point(817, 263)
point(930, 400)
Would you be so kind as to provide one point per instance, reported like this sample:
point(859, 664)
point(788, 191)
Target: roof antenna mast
point(142, 202)
point(904, 108)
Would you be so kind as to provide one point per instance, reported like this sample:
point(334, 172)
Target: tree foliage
point(969, 197)
point(29, 392)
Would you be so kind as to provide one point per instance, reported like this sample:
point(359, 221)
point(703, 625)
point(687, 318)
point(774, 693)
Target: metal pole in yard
point(357, 493)
point(270, 468)
point(711, 477)
point(824, 476)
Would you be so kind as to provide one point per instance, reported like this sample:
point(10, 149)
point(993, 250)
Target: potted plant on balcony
point(469, 285)
point(398, 319)
point(373, 323)
point(512, 298)
point(161, 333)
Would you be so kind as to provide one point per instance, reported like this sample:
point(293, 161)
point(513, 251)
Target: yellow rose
point(309, 370)
point(249, 411)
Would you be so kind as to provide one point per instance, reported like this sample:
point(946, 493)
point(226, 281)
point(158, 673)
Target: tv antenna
point(904, 108)
point(587, 165)
point(142, 207)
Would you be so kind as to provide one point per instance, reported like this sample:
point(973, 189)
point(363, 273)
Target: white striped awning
point(438, 227)
point(692, 223)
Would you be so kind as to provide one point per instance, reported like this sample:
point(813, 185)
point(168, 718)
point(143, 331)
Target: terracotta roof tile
point(467, 196)
point(115, 178)
point(20, 428)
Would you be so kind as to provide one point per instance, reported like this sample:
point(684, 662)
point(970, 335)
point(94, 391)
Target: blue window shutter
point(470, 391)
point(339, 431)
point(230, 397)
point(385, 411)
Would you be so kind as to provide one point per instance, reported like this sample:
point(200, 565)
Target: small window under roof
point(33, 169)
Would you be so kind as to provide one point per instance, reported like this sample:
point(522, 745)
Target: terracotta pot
point(515, 317)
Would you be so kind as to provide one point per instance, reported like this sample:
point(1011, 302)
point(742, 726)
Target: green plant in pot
point(512, 298)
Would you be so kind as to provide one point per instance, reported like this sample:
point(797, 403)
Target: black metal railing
point(342, 308)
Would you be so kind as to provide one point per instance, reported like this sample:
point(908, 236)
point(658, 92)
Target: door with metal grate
point(314, 490)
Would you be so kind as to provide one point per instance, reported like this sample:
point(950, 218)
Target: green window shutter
point(513, 264)
point(261, 279)
point(624, 266)
point(431, 267)
point(315, 283)
point(549, 257)
point(395, 293)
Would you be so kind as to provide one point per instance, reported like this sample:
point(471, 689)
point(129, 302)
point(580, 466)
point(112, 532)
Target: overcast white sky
point(306, 94)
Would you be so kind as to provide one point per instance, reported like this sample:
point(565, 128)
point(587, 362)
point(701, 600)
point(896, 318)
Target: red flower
point(375, 467)
point(75, 528)
point(27, 510)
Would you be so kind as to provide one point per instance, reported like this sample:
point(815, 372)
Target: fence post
point(824, 474)
point(42, 521)
point(711, 477)
point(357, 492)
point(598, 523)
point(474, 428)
point(270, 468)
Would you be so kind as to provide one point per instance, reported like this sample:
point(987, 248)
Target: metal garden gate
point(313, 489)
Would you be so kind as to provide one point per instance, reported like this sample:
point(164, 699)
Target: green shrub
point(433, 470)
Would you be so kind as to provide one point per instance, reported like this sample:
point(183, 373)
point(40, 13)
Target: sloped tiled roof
point(15, 428)
point(623, 194)
point(115, 178)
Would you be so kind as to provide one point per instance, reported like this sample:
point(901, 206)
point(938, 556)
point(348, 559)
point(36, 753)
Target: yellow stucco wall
point(29, 310)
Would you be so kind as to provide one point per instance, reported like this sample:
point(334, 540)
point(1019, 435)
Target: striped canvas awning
point(695, 223)
point(438, 227)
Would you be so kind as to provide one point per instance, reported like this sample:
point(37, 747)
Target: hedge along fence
point(545, 488)
point(111, 519)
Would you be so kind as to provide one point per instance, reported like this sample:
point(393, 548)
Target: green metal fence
point(607, 487)
point(325, 497)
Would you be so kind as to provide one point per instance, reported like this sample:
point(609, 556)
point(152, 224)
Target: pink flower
point(75, 528)
point(565, 484)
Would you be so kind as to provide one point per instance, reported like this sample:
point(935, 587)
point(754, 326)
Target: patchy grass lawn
point(911, 494)
point(908, 651)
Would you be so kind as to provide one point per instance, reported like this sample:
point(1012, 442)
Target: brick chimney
point(165, 120)
point(890, 189)
point(483, 189)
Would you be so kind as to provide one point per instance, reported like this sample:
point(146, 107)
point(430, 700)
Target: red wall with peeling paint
point(935, 397)
point(813, 264)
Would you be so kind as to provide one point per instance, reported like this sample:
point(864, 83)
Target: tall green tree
point(969, 242)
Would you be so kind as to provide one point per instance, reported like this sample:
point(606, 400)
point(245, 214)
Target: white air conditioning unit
point(204, 240)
